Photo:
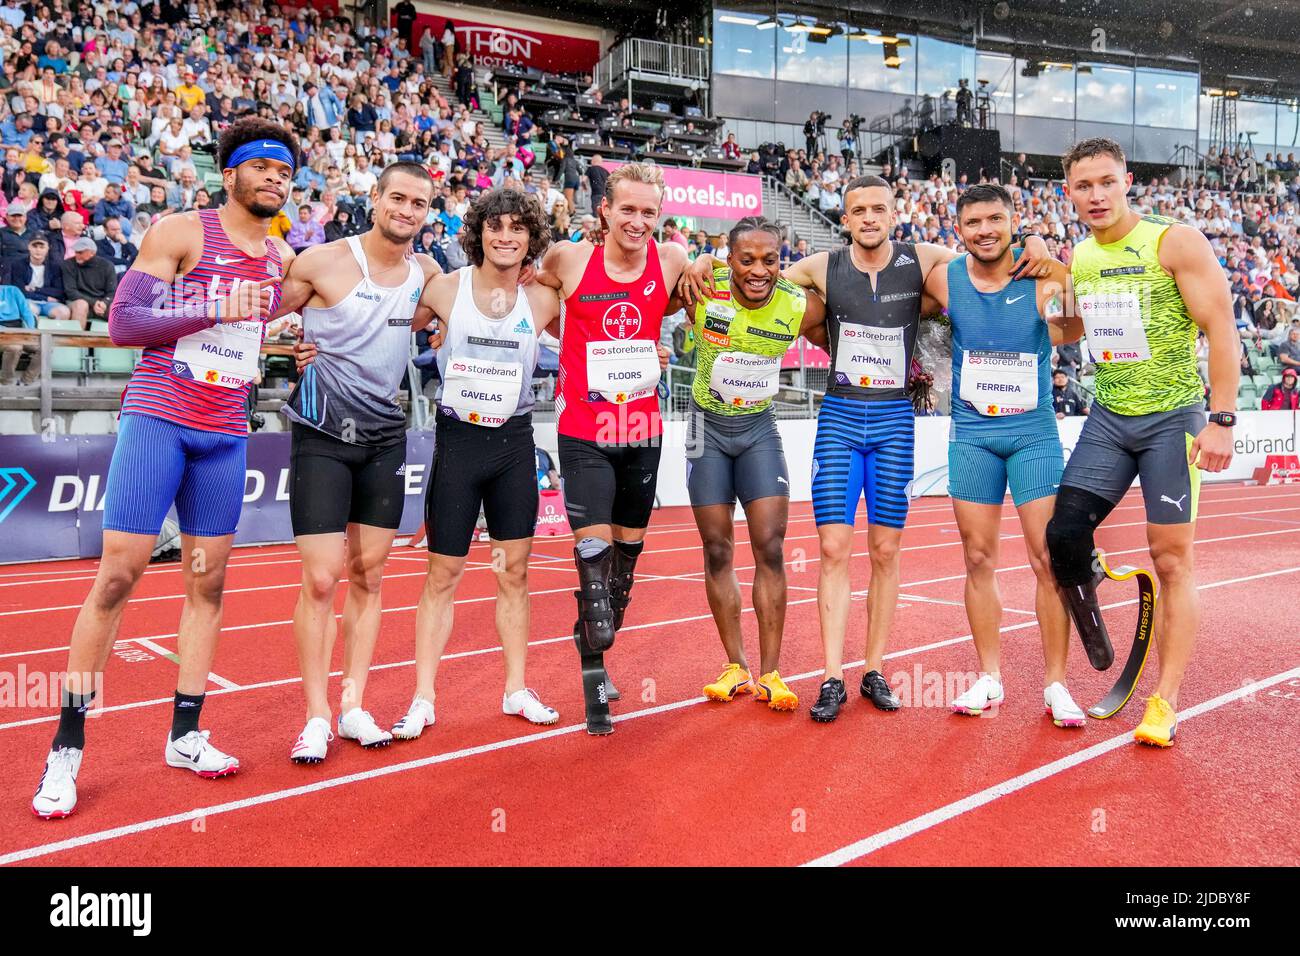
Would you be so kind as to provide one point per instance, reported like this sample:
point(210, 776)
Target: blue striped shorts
point(980, 469)
point(157, 462)
point(863, 449)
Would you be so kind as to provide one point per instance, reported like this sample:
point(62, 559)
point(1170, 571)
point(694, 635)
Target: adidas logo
point(523, 326)
point(401, 471)
point(904, 260)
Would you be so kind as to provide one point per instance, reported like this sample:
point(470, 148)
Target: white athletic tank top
point(486, 364)
point(350, 390)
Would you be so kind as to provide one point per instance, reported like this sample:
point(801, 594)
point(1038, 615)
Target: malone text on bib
point(224, 355)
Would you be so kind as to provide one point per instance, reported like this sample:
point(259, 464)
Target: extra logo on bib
point(480, 391)
point(224, 355)
point(999, 383)
point(1113, 321)
point(621, 372)
point(868, 357)
point(743, 380)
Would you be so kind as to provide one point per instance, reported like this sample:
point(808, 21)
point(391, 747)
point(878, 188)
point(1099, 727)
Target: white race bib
point(1000, 383)
point(868, 357)
point(743, 380)
point(481, 391)
point(621, 372)
point(224, 355)
point(1113, 321)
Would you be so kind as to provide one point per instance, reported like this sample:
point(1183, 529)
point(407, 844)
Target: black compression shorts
point(473, 467)
point(333, 483)
point(608, 484)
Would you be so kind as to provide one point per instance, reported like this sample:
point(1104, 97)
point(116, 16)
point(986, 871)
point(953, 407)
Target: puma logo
point(1177, 504)
point(1137, 252)
point(784, 325)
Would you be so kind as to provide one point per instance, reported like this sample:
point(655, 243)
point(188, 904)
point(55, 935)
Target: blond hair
point(647, 173)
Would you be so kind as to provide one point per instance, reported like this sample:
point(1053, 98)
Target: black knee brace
point(1071, 546)
point(622, 577)
point(594, 630)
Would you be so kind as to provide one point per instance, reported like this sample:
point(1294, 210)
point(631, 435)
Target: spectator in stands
point(41, 283)
point(113, 206)
point(730, 148)
point(671, 233)
point(597, 174)
point(157, 204)
point(15, 313)
point(1288, 353)
point(1282, 394)
point(16, 234)
point(182, 195)
point(342, 225)
point(1067, 399)
point(89, 281)
point(116, 247)
point(800, 251)
point(796, 179)
point(448, 48)
point(305, 231)
point(70, 228)
point(1070, 358)
point(47, 212)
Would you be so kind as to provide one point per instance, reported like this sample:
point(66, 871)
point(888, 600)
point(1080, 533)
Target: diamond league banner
point(52, 493)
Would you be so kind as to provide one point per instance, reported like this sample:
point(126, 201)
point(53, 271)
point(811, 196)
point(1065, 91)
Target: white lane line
point(909, 828)
point(144, 826)
point(961, 604)
point(695, 547)
point(684, 576)
point(175, 659)
point(1009, 514)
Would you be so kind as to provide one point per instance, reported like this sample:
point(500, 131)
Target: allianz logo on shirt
point(370, 297)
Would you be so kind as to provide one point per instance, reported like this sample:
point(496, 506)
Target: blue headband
point(262, 149)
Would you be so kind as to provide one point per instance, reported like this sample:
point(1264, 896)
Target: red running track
point(682, 778)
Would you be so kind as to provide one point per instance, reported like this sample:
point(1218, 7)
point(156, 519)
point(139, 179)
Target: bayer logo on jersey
point(621, 321)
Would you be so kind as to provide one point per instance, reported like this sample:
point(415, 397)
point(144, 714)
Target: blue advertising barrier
point(52, 493)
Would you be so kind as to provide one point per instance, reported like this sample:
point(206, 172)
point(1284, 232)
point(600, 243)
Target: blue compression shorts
point(863, 449)
point(157, 462)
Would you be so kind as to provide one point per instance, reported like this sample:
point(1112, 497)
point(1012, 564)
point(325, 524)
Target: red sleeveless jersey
point(156, 388)
point(600, 310)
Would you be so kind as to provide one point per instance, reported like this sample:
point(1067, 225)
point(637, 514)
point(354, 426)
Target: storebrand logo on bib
point(622, 321)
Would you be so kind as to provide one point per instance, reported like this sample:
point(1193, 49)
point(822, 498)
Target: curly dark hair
point(249, 128)
point(488, 209)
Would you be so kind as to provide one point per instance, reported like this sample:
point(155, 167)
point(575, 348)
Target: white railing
point(652, 56)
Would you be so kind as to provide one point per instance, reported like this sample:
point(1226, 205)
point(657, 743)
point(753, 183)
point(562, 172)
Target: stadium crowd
point(109, 115)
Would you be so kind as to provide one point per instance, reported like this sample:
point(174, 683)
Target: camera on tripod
point(818, 121)
point(855, 123)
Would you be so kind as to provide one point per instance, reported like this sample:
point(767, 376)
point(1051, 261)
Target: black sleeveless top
point(894, 303)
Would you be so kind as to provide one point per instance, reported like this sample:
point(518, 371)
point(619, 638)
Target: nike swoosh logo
point(223, 261)
point(1015, 300)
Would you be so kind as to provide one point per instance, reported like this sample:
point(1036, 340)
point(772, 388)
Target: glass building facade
point(770, 71)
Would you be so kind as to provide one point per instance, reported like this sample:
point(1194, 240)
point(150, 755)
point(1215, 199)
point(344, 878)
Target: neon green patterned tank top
point(738, 351)
point(1140, 334)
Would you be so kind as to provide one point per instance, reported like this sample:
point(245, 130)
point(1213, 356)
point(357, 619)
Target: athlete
point(347, 471)
point(615, 296)
point(483, 451)
point(743, 330)
point(1144, 285)
point(196, 301)
point(1004, 434)
point(864, 445)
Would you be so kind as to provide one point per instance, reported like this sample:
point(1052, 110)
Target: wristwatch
point(1226, 419)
